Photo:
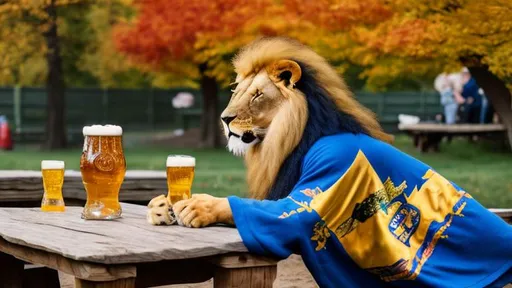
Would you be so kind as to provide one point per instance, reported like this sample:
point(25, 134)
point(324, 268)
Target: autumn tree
point(421, 37)
point(39, 19)
point(169, 35)
point(20, 43)
point(100, 57)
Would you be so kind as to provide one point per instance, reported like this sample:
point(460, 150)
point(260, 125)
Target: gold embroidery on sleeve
point(320, 235)
point(303, 205)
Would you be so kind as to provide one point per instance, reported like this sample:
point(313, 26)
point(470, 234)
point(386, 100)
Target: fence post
point(151, 109)
point(381, 105)
point(104, 105)
point(17, 107)
point(423, 104)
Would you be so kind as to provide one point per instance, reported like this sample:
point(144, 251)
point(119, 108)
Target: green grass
point(486, 174)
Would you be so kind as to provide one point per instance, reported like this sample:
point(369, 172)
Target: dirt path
point(291, 273)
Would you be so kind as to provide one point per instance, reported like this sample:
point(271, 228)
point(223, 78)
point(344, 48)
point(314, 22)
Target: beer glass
point(180, 175)
point(53, 179)
point(103, 167)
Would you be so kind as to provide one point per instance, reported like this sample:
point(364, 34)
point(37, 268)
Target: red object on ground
point(5, 135)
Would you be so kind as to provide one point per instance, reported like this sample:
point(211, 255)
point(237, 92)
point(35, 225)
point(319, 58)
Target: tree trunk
point(498, 94)
point(55, 121)
point(210, 125)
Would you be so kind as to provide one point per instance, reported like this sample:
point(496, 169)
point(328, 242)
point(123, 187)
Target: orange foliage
point(336, 15)
point(389, 37)
point(168, 29)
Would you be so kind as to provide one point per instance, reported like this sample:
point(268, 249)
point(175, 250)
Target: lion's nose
point(228, 119)
point(248, 137)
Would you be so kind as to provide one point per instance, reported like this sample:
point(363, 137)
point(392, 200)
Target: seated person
point(472, 99)
point(446, 89)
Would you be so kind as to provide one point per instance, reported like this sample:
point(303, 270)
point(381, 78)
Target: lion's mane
point(274, 166)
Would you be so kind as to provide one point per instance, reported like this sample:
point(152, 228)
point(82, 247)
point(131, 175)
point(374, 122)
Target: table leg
point(436, 141)
point(11, 272)
point(255, 277)
point(423, 143)
point(40, 277)
point(416, 140)
point(121, 283)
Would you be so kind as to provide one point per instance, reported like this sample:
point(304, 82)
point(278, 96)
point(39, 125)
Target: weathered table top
point(127, 240)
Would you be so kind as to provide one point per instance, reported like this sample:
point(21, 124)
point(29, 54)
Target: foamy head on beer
point(52, 165)
point(102, 130)
point(53, 179)
point(180, 175)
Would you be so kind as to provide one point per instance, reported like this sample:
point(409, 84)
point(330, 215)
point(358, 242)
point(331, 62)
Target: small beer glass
point(103, 167)
point(53, 179)
point(180, 175)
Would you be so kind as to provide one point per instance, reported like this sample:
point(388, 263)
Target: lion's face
point(255, 101)
point(282, 86)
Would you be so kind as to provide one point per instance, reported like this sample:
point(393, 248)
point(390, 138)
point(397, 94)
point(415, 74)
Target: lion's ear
point(284, 70)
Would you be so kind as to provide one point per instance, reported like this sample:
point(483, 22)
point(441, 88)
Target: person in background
point(487, 111)
point(446, 88)
point(469, 98)
point(483, 110)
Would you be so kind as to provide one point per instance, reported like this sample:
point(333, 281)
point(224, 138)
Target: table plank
point(504, 213)
point(130, 174)
point(127, 240)
point(454, 128)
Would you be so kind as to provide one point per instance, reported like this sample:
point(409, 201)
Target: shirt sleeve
point(275, 227)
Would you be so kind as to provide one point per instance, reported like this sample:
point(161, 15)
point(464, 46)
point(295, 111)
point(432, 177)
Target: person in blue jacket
point(472, 106)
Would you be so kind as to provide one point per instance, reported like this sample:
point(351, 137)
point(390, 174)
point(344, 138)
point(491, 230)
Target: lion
point(326, 182)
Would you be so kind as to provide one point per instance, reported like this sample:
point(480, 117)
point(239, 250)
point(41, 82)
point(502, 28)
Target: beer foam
point(103, 130)
point(52, 164)
point(181, 161)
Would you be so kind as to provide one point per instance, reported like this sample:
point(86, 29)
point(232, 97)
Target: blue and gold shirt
point(365, 214)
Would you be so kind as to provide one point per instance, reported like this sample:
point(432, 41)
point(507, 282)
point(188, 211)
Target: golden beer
point(53, 179)
point(103, 167)
point(180, 175)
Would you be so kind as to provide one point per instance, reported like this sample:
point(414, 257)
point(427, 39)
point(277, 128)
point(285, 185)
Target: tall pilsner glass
point(53, 179)
point(180, 175)
point(103, 167)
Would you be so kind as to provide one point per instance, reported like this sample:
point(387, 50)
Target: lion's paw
point(160, 212)
point(198, 211)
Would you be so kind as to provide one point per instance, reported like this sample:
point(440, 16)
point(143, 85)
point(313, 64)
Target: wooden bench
point(428, 136)
point(505, 214)
point(25, 188)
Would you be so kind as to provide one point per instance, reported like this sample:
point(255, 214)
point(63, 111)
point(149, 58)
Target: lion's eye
point(256, 95)
point(233, 86)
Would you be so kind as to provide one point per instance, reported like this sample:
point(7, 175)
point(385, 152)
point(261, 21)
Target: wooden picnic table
point(128, 252)
point(428, 136)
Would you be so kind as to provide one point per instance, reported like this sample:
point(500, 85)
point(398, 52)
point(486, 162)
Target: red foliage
point(340, 14)
point(168, 29)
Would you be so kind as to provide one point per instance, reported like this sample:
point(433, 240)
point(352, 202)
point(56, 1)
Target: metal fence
point(151, 109)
